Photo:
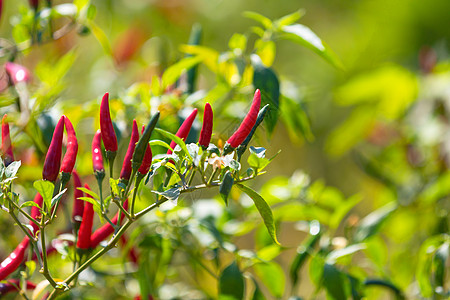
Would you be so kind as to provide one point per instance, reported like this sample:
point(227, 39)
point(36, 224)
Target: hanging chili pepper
point(126, 167)
point(108, 134)
point(243, 146)
point(17, 73)
point(97, 159)
point(78, 204)
point(13, 285)
point(13, 261)
point(141, 146)
point(206, 132)
point(70, 156)
point(6, 142)
point(106, 230)
point(184, 129)
point(36, 213)
point(132, 253)
point(147, 160)
point(246, 126)
point(53, 158)
point(84, 234)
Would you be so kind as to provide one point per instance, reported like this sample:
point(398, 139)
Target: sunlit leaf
point(177, 140)
point(266, 22)
point(12, 169)
point(45, 188)
point(174, 72)
point(272, 275)
point(373, 221)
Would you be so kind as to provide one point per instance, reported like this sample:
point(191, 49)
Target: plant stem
point(21, 210)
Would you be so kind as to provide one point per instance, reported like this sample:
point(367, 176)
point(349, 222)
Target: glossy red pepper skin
point(70, 156)
point(147, 160)
point(17, 73)
point(108, 134)
point(13, 261)
point(106, 230)
point(206, 132)
point(36, 213)
point(247, 124)
point(78, 205)
point(13, 285)
point(85, 231)
point(184, 129)
point(97, 159)
point(125, 173)
point(8, 155)
point(53, 158)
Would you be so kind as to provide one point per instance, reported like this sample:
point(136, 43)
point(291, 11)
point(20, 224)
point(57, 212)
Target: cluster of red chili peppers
point(137, 162)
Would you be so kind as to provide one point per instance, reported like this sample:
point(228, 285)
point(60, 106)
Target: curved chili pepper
point(108, 134)
point(147, 160)
point(84, 234)
point(13, 261)
point(13, 285)
point(206, 132)
point(36, 213)
point(141, 146)
point(125, 173)
point(247, 124)
point(6, 142)
point(106, 230)
point(17, 73)
point(184, 129)
point(243, 146)
point(78, 204)
point(97, 159)
point(53, 158)
point(70, 156)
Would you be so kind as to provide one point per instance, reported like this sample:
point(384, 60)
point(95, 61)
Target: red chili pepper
point(6, 142)
point(36, 213)
point(53, 158)
point(13, 261)
point(247, 124)
point(17, 73)
point(126, 167)
point(70, 156)
point(184, 129)
point(206, 132)
point(34, 4)
point(147, 161)
point(97, 159)
point(84, 234)
point(132, 253)
point(106, 230)
point(13, 285)
point(78, 204)
point(108, 134)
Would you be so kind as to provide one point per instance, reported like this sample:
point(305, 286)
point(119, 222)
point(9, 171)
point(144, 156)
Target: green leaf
point(264, 210)
point(231, 283)
point(294, 116)
point(114, 187)
point(238, 41)
point(31, 266)
point(272, 275)
point(160, 143)
point(12, 168)
point(95, 205)
point(90, 193)
point(57, 197)
point(172, 73)
point(194, 39)
point(335, 282)
point(266, 22)
point(267, 81)
point(303, 35)
point(266, 50)
point(45, 188)
point(316, 267)
point(303, 253)
point(225, 186)
point(257, 294)
point(439, 264)
point(177, 140)
point(342, 210)
point(289, 19)
point(101, 38)
point(2, 168)
point(371, 224)
point(29, 203)
point(334, 255)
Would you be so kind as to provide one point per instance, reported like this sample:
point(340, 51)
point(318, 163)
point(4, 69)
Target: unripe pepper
point(106, 230)
point(247, 124)
point(147, 160)
point(206, 132)
point(13, 261)
point(70, 156)
point(17, 73)
point(13, 285)
point(97, 159)
point(8, 155)
point(36, 213)
point(141, 146)
point(184, 129)
point(53, 157)
point(78, 204)
point(126, 167)
point(84, 234)
point(108, 134)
